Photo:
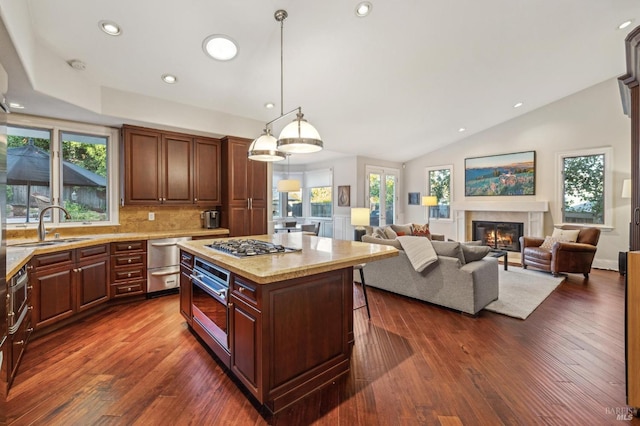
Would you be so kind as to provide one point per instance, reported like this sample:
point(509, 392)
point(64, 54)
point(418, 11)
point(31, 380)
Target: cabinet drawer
point(129, 260)
point(52, 259)
point(19, 341)
point(127, 274)
point(86, 252)
point(128, 246)
point(245, 291)
point(128, 289)
point(186, 259)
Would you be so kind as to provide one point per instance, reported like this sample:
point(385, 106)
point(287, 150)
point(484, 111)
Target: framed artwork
point(504, 174)
point(344, 196)
point(414, 198)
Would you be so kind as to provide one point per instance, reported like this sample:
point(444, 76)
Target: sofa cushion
point(474, 252)
point(377, 240)
point(402, 228)
point(449, 249)
point(548, 242)
point(421, 230)
point(570, 235)
point(378, 233)
point(390, 233)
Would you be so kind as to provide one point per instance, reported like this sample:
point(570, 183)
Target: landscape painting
point(505, 174)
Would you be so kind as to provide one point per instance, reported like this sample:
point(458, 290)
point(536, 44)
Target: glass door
point(383, 198)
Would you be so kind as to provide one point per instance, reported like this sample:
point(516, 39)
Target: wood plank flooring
point(412, 364)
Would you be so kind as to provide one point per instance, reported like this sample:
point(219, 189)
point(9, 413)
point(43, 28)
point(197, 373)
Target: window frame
point(608, 186)
point(428, 191)
point(56, 128)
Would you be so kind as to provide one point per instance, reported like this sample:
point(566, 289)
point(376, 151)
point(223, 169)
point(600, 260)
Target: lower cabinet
point(67, 282)
point(245, 342)
point(186, 269)
point(128, 268)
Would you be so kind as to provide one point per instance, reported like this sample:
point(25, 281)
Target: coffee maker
point(211, 219)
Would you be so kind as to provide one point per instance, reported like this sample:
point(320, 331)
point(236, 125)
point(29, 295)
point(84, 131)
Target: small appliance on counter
point(211, 219)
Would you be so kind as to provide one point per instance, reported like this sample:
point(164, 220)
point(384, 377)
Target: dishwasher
point(163, 266)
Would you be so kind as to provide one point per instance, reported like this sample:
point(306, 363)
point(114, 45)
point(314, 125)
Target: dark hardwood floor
point(412, 364)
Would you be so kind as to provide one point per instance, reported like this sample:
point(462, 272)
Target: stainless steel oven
point(209, 294)
point(18, 293)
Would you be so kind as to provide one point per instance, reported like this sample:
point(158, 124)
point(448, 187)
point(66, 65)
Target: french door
point(382, 187)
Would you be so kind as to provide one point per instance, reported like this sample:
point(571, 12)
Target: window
point(585, 195)
point(321, 201)
point(382, 187)
point(286, 204)
point(439, 185)
point(66, 164)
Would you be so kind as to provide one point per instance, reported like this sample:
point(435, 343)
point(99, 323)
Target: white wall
point(588, 119)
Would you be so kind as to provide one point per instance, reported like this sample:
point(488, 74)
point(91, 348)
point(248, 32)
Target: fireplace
point(498, 235)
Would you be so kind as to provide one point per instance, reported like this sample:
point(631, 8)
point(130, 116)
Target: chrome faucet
point(41, 231)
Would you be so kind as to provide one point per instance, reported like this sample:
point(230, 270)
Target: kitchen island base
point(285, 339)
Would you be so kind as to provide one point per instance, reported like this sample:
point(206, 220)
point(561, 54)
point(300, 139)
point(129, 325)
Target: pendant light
point(298, 137)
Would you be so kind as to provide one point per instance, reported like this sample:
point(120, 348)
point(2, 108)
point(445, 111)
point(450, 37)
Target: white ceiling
point(395, 85)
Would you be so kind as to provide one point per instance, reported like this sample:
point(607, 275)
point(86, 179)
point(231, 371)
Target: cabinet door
point(257, 179)
point(206, 161)
point(258, 220)
point(245, 343)
point(143, 166)
point(177, 173)
point(238, 173)
point(238, 221)
point(92, 283)
point(53, 295)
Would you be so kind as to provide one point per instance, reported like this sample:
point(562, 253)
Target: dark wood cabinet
point(67, 282)
point(170, 168)
point(244, 193)
point(128, 268)
point(245, 337)
point(92, 276)
point(186, 269)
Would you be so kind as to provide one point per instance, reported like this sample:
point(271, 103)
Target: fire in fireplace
point(498, 235)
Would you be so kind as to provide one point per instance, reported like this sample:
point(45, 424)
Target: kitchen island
point(287, 325)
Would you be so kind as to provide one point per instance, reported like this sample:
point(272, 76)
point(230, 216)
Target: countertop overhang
point(316, 255)
point(19, 256)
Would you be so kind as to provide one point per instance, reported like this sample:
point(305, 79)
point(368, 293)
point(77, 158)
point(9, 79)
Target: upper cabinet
point(170, 168)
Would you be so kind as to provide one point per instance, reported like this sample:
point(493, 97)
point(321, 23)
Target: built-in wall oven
point(209, 295)
point(17, 297)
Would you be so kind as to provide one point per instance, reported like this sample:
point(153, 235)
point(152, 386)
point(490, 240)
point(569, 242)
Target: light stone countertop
point(318, 255)
point(19, 256)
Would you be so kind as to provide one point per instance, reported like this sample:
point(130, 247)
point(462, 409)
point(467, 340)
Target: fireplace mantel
point(530, 213)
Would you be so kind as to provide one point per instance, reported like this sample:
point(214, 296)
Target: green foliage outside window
point(583, 196)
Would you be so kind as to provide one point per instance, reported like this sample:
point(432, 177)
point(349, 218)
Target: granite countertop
point(317, 255)
point(19, 256)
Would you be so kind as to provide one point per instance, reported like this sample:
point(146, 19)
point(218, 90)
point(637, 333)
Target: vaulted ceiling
point(396, 84)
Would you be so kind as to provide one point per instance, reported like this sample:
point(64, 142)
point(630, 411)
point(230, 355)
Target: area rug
point(522, 291)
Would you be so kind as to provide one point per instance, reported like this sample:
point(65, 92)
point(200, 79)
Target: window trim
point(428, 191)
point(57, 127)
point(607, 151)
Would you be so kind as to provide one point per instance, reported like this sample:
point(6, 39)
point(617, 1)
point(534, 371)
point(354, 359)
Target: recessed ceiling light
point(169, 78)
point(269, 105)
point(625, 24)
point(461, 129)
point(363, 9)
point(517, 105)
point(220, 47)
point(15, 105)
point(110, 27)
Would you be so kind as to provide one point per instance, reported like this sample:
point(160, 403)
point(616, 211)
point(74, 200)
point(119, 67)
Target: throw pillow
point(390, 233)
point(474, 252)
point(570, 235)
point(402, 228)
point(378, 233)
point(421, 230)
point(449, 249)
point(383, 241)
point(400, 234)
point(548, 242)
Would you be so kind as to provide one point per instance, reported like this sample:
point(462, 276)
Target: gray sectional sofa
point(465, 284)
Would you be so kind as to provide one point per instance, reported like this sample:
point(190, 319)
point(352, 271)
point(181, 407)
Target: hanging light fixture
point(288, 185)
point(298, 137)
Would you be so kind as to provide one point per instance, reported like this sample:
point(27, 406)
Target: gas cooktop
point(249, 248)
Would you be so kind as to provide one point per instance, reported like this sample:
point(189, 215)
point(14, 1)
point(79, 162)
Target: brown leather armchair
point(563, 256)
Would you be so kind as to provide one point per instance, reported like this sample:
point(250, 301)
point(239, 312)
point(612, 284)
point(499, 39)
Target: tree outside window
point(320, 199)
point(440, 186)
point(583, 189)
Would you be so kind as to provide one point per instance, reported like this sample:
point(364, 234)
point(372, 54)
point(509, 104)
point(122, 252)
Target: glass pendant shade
point(265, 148)
point(288, 185)
point(299, 137)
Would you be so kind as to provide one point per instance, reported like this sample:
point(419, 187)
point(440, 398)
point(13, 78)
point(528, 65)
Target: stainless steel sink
point(50, 242)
